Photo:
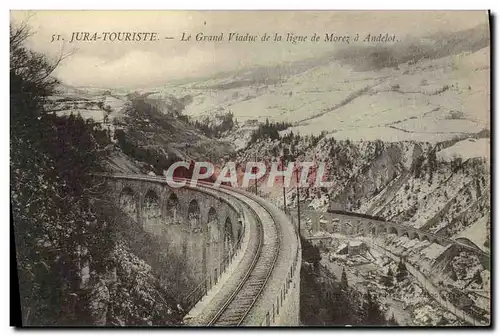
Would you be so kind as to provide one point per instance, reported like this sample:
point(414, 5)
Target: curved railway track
point(243, 298)
point(266, 249)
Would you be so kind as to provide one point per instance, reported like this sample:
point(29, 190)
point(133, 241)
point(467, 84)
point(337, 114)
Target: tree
point(268, 130)
point(417, 168)
point(62, 218)
point(371, 311)
point(310, 253)
point(388, 280)
point(432, 160)
point(401, 272)
point(392, 321)
point(55, 224)
point(344, 286)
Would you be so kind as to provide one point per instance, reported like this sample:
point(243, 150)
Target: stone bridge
point(352, 224)
point(376, 228)
point(201, 228)
point(225, 240)
point(356, 224)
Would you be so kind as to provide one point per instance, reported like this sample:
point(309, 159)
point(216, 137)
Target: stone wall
point(194, 225)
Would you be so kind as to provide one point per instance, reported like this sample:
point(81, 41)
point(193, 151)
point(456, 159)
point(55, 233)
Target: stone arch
point(420, 236)
point(172, 209)
point(413, 235)
point(239, 229)
point(426, 237)
point(212, 215)
point(349, 228)
point(151, 210)
point(213, 230)
point(128, 201)
point(404, 233)
point(357, 228)
point(372, 230)
point(364, 229)
point(194, 216)
point(342, 228)
point(151, 205)
point(345, 228)
point(213, 245)
point(380, 229)
point(392, 229)
point(228, 238)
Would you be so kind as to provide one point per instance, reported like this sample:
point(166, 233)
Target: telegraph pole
point(256, 187)
point(298, 202)
point(284, 194)
point(283, 167)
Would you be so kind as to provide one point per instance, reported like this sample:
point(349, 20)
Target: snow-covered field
point(431, 100)
point(468, 148)
point(476, 233)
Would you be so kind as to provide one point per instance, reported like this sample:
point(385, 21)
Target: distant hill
point(434, 89)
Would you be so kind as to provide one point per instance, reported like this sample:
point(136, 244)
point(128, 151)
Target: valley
point(405, 139)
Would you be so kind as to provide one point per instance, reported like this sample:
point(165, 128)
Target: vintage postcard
point(251, 168)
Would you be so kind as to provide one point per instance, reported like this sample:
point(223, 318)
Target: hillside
point(430, 89)
point(405, 182)
point(405, 127)
point(149, 132)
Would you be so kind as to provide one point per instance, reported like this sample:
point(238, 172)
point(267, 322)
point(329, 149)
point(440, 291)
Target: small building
point(465, 302)
point(342, 249)
point(336, 206)
point(352, 248)
point(357, 247)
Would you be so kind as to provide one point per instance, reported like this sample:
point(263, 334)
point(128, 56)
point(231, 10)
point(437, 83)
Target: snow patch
point(466, 149)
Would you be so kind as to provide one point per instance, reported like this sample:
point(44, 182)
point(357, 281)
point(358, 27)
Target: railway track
point(243, 298)
point(266, 249)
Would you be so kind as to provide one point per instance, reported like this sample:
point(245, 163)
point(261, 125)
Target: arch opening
point(194, 216)
point(228, 238)
point(151, 206)
point(173, 210)
point(212, 216)
point(128, 201)
point(213, 229)
point(239, 230)
point(213, 245)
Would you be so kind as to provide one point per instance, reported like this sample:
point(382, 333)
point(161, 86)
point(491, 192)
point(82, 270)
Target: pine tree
point(419, 161)
point(401, 272)
point(432, 160)
point(392, 321)
point(371, 311)
point(343, 281)
point(54, 216)
point(388, 280)
point(310, 253)
point(56, 203)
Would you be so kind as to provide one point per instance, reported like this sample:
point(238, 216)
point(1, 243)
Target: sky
point(149, 64)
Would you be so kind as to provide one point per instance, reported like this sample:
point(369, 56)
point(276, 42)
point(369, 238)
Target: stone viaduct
point(201, 228)
point(356, 224)
point(351, 224)
point(210, 229)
